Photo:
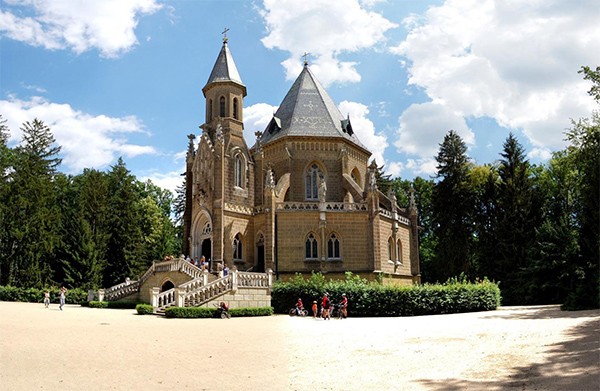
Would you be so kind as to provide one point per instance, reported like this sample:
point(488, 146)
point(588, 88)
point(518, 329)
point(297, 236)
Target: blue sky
point(124, 78)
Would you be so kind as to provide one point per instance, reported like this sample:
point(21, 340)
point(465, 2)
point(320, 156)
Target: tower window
point(391, 249)
point(238, 171)
point(222, 106)
point(313, 175)
point(210, 108)
point(235, 108)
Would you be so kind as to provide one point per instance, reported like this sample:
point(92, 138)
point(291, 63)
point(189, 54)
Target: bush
point(112, 304)
point(375, 299)
point(34, 295)
point(205, 312)
point(144, 309)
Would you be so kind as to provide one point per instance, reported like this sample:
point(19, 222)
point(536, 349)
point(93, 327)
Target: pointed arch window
point(235, 108)
point(237, 247)
point(333, 247)
point(210, 110)
point(222, 106)
point(311, 182)
point(311, 247)
point(238, 171)
point(399, 252)
point(391, 249)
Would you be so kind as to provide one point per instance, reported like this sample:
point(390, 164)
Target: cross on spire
point(305, 55)
point(225, 35)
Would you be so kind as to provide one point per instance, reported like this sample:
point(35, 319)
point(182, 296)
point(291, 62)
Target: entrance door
point(260, 258)
point(206, 252)
point(166, 286)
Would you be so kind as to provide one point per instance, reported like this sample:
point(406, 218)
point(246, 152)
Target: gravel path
point(523, 348)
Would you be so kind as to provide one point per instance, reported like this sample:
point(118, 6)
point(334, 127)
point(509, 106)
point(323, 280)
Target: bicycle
point(223, 312)
point(295, 311)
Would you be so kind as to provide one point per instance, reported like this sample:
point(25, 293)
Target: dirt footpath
point(523, 348)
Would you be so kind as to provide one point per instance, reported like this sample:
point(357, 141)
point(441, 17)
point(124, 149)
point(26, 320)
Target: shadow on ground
point(573, 364)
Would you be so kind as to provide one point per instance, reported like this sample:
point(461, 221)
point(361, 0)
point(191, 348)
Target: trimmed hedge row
point(111, 304)
point(374, 299)
point(206, 312)
point(34, 295)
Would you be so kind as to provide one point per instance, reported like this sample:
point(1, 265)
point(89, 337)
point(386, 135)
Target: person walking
point(325, 304)
point(46, 298)
point(344, 305)
point(62, 295)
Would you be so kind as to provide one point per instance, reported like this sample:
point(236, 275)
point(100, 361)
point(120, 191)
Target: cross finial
point(305, 55)
point(225, 35)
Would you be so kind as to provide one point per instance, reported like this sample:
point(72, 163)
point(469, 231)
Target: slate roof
point(224, 69)
point(308, 110)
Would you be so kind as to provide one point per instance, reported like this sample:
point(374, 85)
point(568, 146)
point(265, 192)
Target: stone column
point(91, 295)
point(204, 277)
point(234, 279)
point(100, 294)
point(179, 297)
point(154, 296)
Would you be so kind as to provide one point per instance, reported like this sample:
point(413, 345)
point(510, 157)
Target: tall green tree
point(517, 218)
point(5, 167)
point(33, 215)
point(125, 244)
point(452, 207)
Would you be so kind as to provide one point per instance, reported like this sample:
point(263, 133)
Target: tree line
point(89, 230)
point(534, 229)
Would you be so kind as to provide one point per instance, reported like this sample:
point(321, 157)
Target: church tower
point(222, 172)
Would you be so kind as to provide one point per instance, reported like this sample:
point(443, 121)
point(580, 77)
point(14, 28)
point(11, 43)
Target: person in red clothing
point(325, 304)
point(299, 307)
point(344, 305)
point(315, 309)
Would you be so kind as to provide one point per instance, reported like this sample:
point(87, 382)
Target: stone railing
point(196, 283)
point(325, 206)
point(162, 300)
point(208, 292)
point(118, 291)
point(253, 280)
point(390, 215)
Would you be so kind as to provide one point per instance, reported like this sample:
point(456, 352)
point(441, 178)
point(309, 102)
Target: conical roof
point(308, 110)
point(224, 69)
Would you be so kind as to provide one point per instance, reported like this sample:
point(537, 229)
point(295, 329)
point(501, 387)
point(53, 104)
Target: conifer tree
point(125, 244)
point(452, 206)
point(32, 215)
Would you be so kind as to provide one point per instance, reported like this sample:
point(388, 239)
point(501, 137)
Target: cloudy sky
point(124, 77)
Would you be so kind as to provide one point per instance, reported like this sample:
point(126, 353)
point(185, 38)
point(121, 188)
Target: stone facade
point(303, 198)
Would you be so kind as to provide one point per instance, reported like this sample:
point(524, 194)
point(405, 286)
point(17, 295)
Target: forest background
point(534, 229)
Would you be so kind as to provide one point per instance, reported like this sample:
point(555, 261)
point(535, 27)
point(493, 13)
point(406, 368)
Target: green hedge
point(375, 299)
point(144, 309)
point(112, 304)
point(34, 295)
point(206, 312)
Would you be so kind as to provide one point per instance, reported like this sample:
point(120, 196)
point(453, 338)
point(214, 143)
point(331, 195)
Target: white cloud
point(256, 119)
point(106, 25)
point(540, 154)
point(169, 180)
point(325, 29)
point(514, 61)
point(394, 169)
point(87, 141)
point(426, 167)
point(424, 125)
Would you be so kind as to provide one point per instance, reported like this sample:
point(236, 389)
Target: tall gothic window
point(312, 182)
point(391, 249)
point(210, 110)
point(237, 247)
point(235, 108)
point(222, 106)
point(238, 170)
point(311, 247)
point(399, 251)
point(333, 247)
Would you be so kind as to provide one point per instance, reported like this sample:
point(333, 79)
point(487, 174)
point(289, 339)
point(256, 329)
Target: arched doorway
point(166, 286)
point(260, 254)
point(206, 251)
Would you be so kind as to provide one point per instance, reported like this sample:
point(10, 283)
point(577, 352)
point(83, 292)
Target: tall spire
point(224, 69)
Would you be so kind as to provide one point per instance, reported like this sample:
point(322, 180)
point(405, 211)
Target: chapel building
point(303, 198)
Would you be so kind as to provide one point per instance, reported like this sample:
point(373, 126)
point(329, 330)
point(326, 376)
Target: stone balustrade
point(209, 291)
point(326, 206)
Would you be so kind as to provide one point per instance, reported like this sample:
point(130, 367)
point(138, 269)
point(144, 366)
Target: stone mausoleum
point(303, 198)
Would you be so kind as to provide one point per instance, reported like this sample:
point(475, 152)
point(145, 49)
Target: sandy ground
point(522, 348)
